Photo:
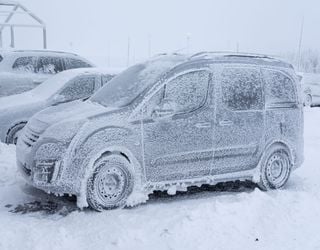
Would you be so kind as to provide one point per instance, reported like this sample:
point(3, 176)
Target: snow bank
point(286, 219)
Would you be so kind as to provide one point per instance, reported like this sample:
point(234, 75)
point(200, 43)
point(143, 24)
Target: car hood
point(73, 110)
point(23, 99)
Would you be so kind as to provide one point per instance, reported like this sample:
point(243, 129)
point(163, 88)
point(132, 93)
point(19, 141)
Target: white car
point(311, 89)
point(23, 70)
point(67, 86)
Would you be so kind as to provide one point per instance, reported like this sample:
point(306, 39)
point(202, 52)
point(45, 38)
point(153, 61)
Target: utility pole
point(300, 43)
point(128, 53)
point(188, 43)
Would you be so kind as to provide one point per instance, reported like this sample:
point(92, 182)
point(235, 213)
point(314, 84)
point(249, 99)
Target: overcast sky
point(99, 29)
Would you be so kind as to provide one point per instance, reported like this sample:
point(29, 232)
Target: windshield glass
point(124, 88)
point(53, 84)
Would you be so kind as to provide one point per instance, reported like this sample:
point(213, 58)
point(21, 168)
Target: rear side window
point(279, 88)
point(241, 89)
point(188, 91)
point(25, 64)
point(79, 88)
point(49, 65)
point(106, 79)
point(1, 58)
point(72, 63)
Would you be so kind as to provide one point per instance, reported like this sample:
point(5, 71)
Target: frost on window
point(279, 88)
point(81, 87)
point(49, 65)
point(24, 64)
point(188, 91)
point(106, 78)
point(241, 89)
point(72, 63)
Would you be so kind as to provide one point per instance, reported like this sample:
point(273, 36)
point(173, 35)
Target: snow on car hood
point(23, 99)
point(73, 110)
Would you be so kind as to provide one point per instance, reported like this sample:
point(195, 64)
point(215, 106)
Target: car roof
point(235, 57)
point(44, 52)
point(83, 71)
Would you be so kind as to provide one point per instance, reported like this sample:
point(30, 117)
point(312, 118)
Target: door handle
point(225, 123)
point(203, 125)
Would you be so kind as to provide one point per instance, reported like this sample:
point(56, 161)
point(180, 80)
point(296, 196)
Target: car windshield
point(124, 88)
point(53, 84)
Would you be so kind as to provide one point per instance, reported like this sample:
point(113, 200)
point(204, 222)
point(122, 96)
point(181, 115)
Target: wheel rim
point(278, 167)
point(308, 100)
point(110, 184)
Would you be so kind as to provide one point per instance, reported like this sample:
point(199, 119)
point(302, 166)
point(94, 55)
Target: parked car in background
point(23, 70)
point(167, 124)
point(311, 89)
point(67, 86)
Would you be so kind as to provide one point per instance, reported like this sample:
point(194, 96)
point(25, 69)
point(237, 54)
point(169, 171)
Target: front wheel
point(110, 184)
point(275, 168)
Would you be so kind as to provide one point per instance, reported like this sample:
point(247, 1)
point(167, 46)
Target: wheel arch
point(138, 171)
point(16, 124)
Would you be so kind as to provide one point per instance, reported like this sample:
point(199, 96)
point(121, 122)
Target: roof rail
point(228, 54)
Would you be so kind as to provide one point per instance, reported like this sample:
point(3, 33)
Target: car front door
point(239, 130)
point(178, 128)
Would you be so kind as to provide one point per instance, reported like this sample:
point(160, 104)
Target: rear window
point(242, 89)
point(49, 65)
point(279, 88)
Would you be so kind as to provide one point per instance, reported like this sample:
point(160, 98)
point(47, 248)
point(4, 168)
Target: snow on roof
point(218, 55)
point(45, 51)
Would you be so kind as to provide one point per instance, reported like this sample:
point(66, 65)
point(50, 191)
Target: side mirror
point(57, 99)
point(166, 108)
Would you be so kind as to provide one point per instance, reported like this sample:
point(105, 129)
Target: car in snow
point(67, 86)
point(23, 70)
point(167, 124)
point(311, 89)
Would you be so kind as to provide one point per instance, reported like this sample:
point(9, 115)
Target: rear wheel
point(275, 168)
point(308, 101)
point(14, 133)
point(110, 184)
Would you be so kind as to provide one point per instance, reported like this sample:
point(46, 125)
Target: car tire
point(13, 133)
point(275, 168)
point(308, 101)
point(110, 184)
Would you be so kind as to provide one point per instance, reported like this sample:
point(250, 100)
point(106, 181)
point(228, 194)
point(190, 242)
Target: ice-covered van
point(167, 124)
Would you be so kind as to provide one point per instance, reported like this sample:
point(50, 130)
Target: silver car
point(311, 88)
point(66, 86)
point(23, 70)
point(167, 124)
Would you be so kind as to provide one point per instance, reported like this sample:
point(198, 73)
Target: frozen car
point(311, 89)
point(67, 86)
point(168, 124)
point(23, 70)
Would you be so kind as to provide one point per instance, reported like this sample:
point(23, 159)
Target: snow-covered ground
point(243, 219)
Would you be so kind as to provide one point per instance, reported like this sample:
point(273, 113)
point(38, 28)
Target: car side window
point(106, 79)
point(279, 88)
point(73, 63)
point(188, 91)
point(25, 64)
point(49, 65)
point(242, 89)
point(79, 88)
